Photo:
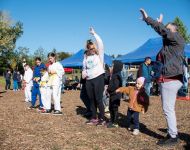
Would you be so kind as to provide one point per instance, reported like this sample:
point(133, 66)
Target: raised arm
point(99, 42)
point(158, 26)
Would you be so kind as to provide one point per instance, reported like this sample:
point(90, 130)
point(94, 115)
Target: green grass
point(2, 81)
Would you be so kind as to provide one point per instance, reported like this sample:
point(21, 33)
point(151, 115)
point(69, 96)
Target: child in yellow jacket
point(138, 102)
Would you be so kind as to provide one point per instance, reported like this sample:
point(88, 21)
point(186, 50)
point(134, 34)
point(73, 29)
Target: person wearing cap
point(138, 102)
point(171, 56)
point(93, 72)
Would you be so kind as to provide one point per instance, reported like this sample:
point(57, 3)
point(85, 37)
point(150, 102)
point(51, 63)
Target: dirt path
point(23, 129)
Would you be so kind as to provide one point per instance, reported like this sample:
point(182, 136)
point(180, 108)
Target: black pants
point(95, 88)
point(113, 108)
point(84, 97)
point(8, 84)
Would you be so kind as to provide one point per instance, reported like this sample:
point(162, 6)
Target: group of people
point(170, 58)
point(17, 80)
point(46, 83)
point(99, 81)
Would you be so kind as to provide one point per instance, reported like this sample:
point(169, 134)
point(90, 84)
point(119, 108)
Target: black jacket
point(172, 52)
point(115, 81)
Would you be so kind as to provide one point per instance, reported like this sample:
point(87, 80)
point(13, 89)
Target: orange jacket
point(137, 101)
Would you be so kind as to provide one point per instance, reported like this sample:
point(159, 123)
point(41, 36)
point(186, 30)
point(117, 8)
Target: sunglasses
point(92, 49)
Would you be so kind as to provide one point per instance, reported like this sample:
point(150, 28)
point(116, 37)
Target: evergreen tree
point(182, 29)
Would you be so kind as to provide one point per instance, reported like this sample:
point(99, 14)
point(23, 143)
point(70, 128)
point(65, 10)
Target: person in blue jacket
point(145, 71)
point(36, 80)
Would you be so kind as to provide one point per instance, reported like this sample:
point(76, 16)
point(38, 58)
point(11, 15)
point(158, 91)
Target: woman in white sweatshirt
point(93, 72)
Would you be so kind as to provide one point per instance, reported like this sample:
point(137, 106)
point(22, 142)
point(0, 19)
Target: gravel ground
point(23, 129)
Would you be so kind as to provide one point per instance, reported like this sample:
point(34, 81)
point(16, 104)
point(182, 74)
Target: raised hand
point(144, 14)
point(160, 19)
point(92, 31)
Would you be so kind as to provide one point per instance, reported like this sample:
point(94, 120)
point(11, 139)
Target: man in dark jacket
point(171, 56)
point(145, 71)
point(114, 83)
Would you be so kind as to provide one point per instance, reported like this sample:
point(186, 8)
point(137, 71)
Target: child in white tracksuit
point(45, 91)
point(28, 75)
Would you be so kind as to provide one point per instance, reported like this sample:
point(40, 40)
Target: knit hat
point(141, 80)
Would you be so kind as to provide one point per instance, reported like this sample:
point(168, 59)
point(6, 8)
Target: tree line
point(11, 57)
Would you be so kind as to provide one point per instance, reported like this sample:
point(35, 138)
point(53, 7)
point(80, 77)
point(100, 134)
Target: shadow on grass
point(183, 136)
point(3, 92)
point(143, 128)
point(82, 112)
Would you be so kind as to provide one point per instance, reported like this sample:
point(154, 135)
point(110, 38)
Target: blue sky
point(64, 24)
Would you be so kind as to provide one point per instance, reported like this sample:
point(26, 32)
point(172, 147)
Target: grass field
point(2, 81)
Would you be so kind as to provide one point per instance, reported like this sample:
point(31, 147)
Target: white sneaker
point(107, 114)
point(135, 131)
point(106, 109)
point(130, 128)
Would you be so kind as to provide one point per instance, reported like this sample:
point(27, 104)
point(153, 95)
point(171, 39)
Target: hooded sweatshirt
point(115, 81)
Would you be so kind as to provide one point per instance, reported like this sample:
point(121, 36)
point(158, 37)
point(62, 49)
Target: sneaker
point(112, 125)
point(107, 114)
point(57, 112)
point(26, 100)
point(31, 107)
point(40, 108)
point(92, 122)
point(106, 109)
point(130, 128)
point(88, 114)
point(135, 131)
point(101, 122)
point(45, 111)
point(168, 141)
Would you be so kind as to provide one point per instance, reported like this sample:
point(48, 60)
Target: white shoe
point(107, 114)
point(130, 128)
point(135, 131)
point(106, 109)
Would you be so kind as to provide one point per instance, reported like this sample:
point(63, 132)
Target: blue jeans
point(147, 87)
point(35, 92)
point(15, 85)
point(132, 116)
point(168, 96)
